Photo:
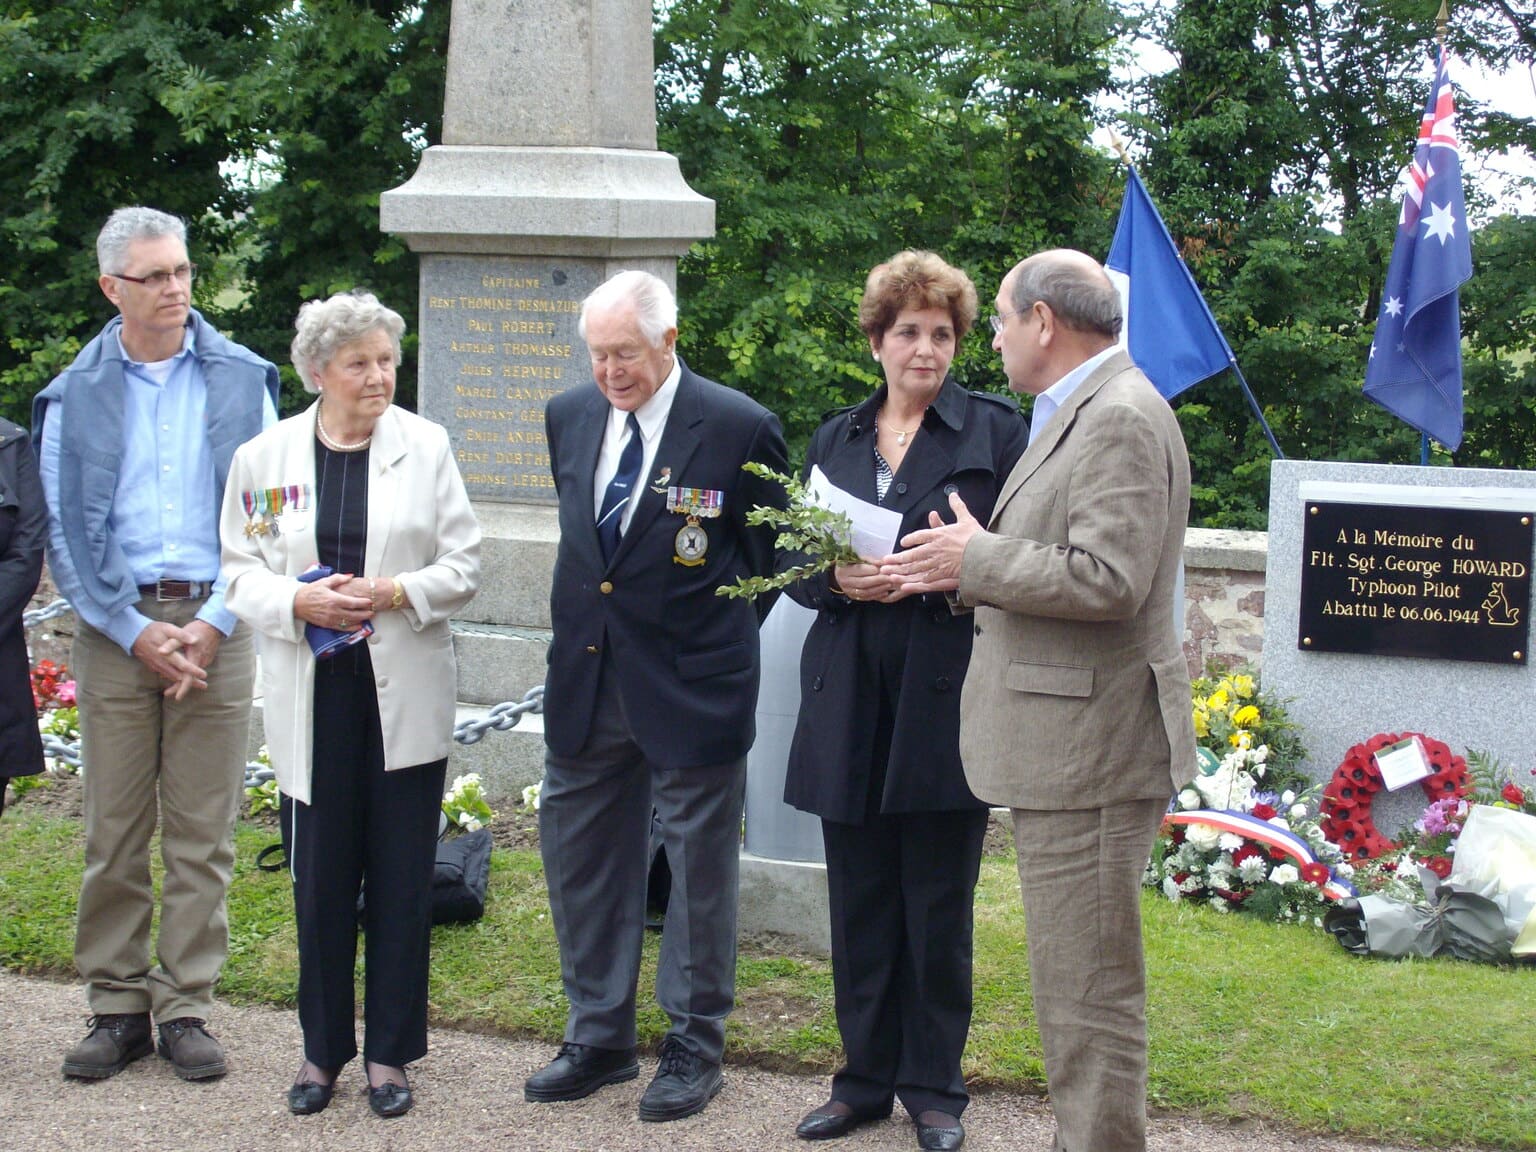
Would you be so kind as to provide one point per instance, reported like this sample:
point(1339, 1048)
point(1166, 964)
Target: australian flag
point(1415, 367)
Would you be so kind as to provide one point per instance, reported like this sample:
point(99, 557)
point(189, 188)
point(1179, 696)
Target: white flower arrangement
point(465, 806)
point(1244, 835)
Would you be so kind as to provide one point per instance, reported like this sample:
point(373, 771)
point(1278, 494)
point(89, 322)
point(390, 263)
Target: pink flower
point(65, 693)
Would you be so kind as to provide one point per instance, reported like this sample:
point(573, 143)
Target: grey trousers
point(594, 830)
point(1080, 874)
point(183, 761)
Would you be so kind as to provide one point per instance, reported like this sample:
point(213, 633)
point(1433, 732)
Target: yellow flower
point(1217, 701)
point(1243, 686)
point(1246, 716)
point(1202, 723)
point(1241, 740)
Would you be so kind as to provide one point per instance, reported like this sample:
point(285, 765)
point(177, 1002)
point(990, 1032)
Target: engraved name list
point(499, 340)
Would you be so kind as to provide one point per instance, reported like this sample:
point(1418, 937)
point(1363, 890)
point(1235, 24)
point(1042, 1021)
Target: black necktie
point(616, 498)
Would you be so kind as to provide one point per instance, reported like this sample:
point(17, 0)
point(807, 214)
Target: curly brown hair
point(914, 279)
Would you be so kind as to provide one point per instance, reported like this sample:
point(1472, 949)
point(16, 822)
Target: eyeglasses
point(159, 280)
point(998, 319)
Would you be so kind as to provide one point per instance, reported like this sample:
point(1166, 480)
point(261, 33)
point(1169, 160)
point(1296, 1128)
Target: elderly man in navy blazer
point(652, 690)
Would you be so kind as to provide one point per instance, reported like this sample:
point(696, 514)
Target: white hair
point(127, 225)
point(655, 306)
point(324, 326)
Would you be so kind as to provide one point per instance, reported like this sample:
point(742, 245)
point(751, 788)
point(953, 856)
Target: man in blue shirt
point(135, 439)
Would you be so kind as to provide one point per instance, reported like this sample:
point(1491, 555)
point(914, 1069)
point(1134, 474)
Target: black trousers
point(901, 888)
point(362, 824)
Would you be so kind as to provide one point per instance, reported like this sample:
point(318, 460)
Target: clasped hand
point(340, 601)
point(180, 656)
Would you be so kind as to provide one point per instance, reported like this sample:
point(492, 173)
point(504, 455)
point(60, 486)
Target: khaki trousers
point(136, 743)
point(1080, 875)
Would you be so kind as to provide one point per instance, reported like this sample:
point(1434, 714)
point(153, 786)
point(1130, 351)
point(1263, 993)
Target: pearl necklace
point(336, 445)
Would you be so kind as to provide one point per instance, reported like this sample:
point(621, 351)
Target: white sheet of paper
point(1402, 764)
point(875, 529)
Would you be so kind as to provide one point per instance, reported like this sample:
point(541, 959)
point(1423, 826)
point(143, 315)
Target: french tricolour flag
point(1169, 331)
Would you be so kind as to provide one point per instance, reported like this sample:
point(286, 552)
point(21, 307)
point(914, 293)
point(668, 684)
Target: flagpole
point(1258, 414)
point(1442, 26)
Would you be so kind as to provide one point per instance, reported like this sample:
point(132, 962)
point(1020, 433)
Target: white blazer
point(421, 531)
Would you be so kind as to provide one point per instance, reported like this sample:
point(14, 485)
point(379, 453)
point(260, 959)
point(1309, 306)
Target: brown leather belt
point(164, 589)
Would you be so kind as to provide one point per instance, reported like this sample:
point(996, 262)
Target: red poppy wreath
point(1346, 804)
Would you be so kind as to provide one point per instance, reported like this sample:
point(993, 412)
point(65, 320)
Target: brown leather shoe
point(191, 1049)
point(115, 1041)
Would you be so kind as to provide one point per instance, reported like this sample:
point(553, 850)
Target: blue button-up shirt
point(164, 515)
point(1050, 401)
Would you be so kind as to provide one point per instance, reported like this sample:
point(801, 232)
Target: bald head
point(1060, 310)
point(1074, 286)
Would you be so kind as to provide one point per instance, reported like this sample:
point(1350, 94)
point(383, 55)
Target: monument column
point(547, 182)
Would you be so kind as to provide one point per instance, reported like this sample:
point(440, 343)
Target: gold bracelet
point(398, 598)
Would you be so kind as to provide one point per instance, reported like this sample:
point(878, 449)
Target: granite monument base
point(1342, 698)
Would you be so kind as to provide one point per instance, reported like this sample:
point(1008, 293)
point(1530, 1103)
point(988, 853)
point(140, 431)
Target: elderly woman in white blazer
point(359, 737)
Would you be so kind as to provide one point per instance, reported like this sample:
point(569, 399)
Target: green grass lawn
point(1247, 1019)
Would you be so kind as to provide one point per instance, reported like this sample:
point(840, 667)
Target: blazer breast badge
point(697, 504)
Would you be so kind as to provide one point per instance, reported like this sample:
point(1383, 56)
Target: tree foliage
point(104, 105)
point(830, 135)
point(355, 94)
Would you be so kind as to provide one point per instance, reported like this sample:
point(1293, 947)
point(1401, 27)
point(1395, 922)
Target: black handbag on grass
point(463, 871)
point(460, 876)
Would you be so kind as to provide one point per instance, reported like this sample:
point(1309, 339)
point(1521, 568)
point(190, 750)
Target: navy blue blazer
point(685, 660)
point(969, 443)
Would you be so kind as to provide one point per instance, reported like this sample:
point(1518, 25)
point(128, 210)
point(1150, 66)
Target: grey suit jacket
point(1077, 694)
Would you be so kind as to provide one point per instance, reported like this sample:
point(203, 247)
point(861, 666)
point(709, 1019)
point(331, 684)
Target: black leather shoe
point(821, 1124)
point(684, 1084)
point(305, 1098)
point(114, 1042)
point(390, 1099)
point(578, 1071)
point(940, 1137)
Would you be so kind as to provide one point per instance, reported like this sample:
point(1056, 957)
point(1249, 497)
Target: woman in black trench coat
point(876, 749)
point(23, 529)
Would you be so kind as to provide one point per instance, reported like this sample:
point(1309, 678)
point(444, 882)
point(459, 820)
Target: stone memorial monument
point(1398, 599)
point(547, 182)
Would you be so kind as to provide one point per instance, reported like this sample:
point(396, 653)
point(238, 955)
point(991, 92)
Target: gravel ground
point(469, 1096)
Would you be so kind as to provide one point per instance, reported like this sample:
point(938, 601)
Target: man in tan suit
point(1076, 710)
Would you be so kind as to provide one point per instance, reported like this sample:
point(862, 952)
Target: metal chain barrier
point(37, 616)
point(501, 717)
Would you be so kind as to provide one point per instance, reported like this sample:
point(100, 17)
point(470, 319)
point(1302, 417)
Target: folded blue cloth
point(326, 642)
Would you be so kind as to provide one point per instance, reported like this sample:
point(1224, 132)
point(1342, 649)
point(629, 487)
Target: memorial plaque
point(498, 340)
point(1389, 580)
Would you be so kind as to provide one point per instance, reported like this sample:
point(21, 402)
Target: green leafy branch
point(823, 536)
